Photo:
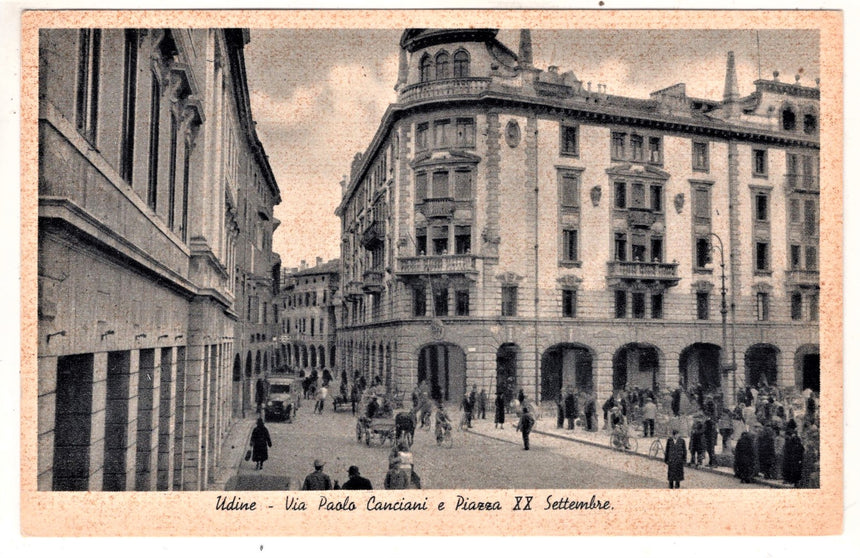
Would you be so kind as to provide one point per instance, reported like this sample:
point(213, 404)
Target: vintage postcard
point(431, 272)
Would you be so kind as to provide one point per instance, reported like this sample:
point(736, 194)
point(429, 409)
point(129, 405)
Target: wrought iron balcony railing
point(441, 88)
point(644, 271)
point(437, 265)
point(437, 207)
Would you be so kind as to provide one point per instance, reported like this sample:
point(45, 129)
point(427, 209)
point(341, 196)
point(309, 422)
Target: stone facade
point(537, 234)
point(146, 153)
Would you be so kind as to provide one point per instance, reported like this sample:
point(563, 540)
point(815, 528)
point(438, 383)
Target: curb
point(606, 447)
point(233, 462)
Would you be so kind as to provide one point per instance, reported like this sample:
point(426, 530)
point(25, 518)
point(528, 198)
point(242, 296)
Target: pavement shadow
point(257, 482)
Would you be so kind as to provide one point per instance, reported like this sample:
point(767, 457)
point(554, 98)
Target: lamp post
point(724, 311)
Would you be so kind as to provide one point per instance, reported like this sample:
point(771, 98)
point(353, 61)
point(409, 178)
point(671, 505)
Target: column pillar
point(192, 418)
point(47, 409)
point(167, 420)
point(97, 421)
point(149, 387)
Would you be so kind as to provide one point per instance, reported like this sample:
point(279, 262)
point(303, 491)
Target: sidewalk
point(547, 427)
point(233, 452)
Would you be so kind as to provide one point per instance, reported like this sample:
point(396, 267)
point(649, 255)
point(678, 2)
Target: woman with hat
point(260, 443)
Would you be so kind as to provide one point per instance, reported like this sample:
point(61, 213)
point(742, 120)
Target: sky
point(317, 96)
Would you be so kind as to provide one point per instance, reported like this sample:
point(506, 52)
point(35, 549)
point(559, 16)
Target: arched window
point(461, 64)
point(443, 66)
point(426, 68)
point(810, 124)
point(789, 120)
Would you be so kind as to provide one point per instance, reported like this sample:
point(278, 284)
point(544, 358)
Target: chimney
point(303, 265)
point(525, 55)
point(731, 95)
point(319, 260)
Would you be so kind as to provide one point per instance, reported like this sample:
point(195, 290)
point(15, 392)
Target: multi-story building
point(309, 305)
point(514, 228)
point(146, 153)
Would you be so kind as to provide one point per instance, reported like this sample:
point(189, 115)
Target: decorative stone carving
point(489, 238)
point(509, 278)
point(703, 287)
point(762, 287)
point(512, 133)
point(596, 192)
point(679, 202)
point(569, 281)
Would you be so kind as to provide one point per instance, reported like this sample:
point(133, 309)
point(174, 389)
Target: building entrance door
point(443, 367)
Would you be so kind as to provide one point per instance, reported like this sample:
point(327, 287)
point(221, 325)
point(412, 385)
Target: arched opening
point(760, 362)
point(246, 387)
point(461, 64)
point(810, 124)
point(388, 378)
point(789, 120)
point(321, 356)
point(443, 66)
point(807, 368)
point(304, 356)
point(699, 364)
point(265, 362)
point(313, 356)
point(566, 366)
point(331, 359)
point(426, 69)
point(258, 363)
point(237, 385)
point(443, 367)
point(635, 365)
point(506, 370)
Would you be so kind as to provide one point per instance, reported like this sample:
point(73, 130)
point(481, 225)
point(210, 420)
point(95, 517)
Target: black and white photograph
point(452, 259)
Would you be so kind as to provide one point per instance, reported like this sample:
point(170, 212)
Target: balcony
point(437, 207)
point(640, 217)
point(443, 88)
point(373, 281)
point(666, 273)
point(353, 290)
point(373, 235)
point(437, 265)
point(801, 182)
point(802, 277)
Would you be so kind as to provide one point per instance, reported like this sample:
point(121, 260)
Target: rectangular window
point(570, 246)
point(154, 116)
point(440, 302)
point(569, 190)
point(462, 300)
point(761, 207)
point(509, 301)
point(171, 172)
point(762, 306)
point(463, 239)
point(762, 256)
point(656, 198)
point(88, 83)
point(637, 195)
point(463, 185)
point(702, 203)
point(420, 187)
point(810, 217)
point(637, 247)
point(419, 301)
point(637, 148)
point(759, 162)
point(440, 240)
point(700, 156)
point(441, 133)
point(655, 151)
point(440, 184)
point(129, 95)
point(421, 242)
point(620, 304)
point(796, 306)
point(811, 258)
point(638, 303)
point(657, 306)
point(618, 141)
point(313, 323)
point(703, 252)
point(466, 132)
point(794, 255)
point(421, 136)
point(620, 247)
point(703, 306)
point(794, 211)
point(813, 308)
point(620, 195)
point(568, 303)
point(186, 177)
point(656, 249)
point(569, 140)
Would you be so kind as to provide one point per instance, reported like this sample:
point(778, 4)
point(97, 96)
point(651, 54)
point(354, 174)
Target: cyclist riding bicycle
point(443, 424)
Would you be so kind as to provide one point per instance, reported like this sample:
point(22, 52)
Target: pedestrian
point(356, 481)
point(321, 396)
point(766, 452)
point(608, 405)
point(571, 410)
point(675, 458)
point(649, 417)
point(559, 411)
point(467, 412)
point(521, 396)
point(746, 465)
point(726, 428)
point(527, 422)
point(482, 404)
point(676, 402)
point(591, 413)
point(499, 418)
point(792, 461)
point(710, 440)
point(697, 444)
point(317, 480)
point(260, 444)
point(260, 393)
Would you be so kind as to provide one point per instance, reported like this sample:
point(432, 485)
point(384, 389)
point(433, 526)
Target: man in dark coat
point(499, 418)
point(356, 481)
point(793, 460)
point(467, 410)
point(766, 453)
point(675, 458)
point(317, 480)
point(260, 393)
point(559, 411)
point(527, 422)
point(591, 414)
point(676, 402)
point(260, 443)
point(570, 410)
point(710, 439)
point(746, 463)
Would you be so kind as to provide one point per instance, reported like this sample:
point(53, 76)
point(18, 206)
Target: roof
point(331, 266)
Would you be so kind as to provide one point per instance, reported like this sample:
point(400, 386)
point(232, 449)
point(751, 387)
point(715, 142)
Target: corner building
point(515, 228)
point(150, 175)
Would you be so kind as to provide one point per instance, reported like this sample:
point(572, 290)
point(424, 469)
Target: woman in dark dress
point(766, 453)
point(792, 462)
point(499, 419)
point(746, 464)
point(260, 443)
point(675, 458)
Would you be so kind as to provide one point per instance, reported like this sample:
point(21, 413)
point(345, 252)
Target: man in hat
point(356, 481)
point(317, 480)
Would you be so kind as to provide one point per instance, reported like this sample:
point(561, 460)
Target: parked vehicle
point(281, 400)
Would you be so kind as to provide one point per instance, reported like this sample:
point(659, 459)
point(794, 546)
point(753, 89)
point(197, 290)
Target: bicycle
point(656, 449)
point(444, 437)
point(621, 440)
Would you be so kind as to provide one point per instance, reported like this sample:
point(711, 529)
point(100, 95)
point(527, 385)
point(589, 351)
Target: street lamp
point(724, 311)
